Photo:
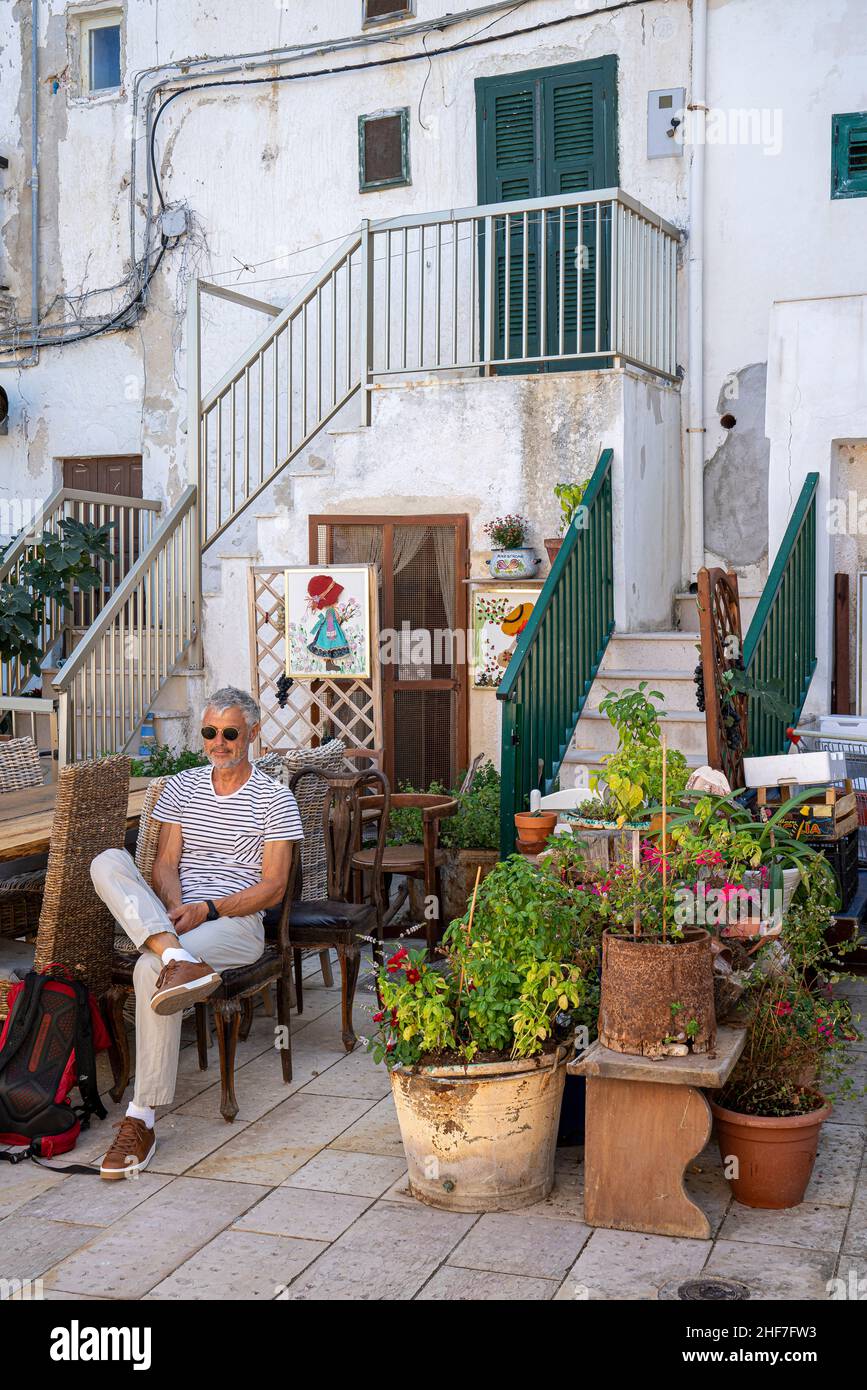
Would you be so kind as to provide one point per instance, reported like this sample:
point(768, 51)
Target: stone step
point(578, 766)
point(676, 688)
point(685, 730)
point(686, 611)
point(672, 651)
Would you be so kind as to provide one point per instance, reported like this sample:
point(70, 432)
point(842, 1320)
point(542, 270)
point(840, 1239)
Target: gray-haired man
point(224, 855)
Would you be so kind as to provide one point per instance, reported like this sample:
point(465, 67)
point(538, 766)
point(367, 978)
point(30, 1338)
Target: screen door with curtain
point(421, 562)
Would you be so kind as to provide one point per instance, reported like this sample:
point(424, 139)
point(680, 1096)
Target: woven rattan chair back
point(311, 794)
point(149, 830)
point(20, 765)
point(76, 929)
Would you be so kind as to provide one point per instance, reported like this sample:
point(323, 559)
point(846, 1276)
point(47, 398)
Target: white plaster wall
point(817, 399)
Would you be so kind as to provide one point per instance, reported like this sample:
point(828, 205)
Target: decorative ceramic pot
point(513, 564)
point(775, 1153)
point(481, 1137)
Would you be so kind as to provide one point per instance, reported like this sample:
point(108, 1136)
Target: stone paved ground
point(304, 1197)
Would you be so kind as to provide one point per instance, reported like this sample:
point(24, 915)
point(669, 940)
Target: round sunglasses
point(209, 732)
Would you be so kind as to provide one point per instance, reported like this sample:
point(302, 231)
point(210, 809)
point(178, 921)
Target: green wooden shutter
point(849, 155)
point(544, 133)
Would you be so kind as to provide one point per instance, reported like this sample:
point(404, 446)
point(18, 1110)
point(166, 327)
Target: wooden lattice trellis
point(318, 710)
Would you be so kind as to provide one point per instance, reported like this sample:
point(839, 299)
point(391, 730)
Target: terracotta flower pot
point(552, 545)
point(642, 978)
point(775, 1154)
point(481, 1137)
point(533, 831)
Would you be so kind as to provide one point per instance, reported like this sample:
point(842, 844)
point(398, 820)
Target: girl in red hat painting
point(328, 640)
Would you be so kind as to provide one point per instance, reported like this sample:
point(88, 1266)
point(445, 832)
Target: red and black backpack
point(48, 1045)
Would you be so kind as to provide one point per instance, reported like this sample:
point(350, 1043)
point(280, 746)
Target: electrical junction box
point(173, 222)
point(666, 113)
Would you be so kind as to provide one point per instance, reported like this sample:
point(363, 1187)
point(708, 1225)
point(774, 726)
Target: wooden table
point(646, 1119)
point(26, 817)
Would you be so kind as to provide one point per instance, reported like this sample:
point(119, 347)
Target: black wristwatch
point(213, 914)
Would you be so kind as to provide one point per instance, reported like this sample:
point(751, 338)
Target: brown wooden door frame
point(459, 522)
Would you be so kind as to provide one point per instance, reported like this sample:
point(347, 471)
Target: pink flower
point(782, 1007)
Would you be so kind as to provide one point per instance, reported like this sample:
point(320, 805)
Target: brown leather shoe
point(133, 1148)
point(181, 983)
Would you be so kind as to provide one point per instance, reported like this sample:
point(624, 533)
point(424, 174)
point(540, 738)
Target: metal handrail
point(520, 205)
point(108, 683)
point(781, 641)
point(557, 656)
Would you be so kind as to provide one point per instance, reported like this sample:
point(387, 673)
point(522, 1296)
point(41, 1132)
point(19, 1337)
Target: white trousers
point(228, 942)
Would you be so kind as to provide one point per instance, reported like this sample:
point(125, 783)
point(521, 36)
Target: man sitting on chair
point(224, 855)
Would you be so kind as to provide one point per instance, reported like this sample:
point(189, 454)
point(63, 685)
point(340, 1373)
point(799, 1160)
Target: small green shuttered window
point(849, 155)
point(544, 133)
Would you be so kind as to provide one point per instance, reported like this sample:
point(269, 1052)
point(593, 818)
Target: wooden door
point(422, 562)
point(119, 475)
point(116, 476)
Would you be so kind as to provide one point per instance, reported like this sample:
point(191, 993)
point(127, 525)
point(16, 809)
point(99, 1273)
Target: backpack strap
point(33, 1153)
point(25, 1009)
point(85, 1058)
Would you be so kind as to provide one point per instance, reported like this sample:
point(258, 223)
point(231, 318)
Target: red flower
point(389, 1047)
point(394, 1018)
point(782, 1007)
point(413, 976)
point(396, 961)
point(377, 1018)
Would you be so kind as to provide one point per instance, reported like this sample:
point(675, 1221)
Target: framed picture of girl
point(328, 622)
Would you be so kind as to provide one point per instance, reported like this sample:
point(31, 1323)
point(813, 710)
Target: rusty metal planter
point(642, 978)
point(481, 1137)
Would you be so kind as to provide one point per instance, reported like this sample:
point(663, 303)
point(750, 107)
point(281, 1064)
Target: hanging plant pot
point(533, 831)
point(775, 1153)
point(642, 977)
point(481, 1137)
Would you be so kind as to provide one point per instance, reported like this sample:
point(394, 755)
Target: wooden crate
point(829, 814)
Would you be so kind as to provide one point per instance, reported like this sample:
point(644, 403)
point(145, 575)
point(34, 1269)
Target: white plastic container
point(800, 769)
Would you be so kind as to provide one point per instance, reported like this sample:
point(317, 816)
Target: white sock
point(177, 953)
point(141, 1112)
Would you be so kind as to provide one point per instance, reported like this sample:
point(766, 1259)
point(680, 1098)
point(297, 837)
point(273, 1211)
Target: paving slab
point(22, 1183)
point(184, 1140)
point(356, 1074)
point(629, 1265)
point(332, 1170)
point(387, 1255)
point(284, 1140)
point(773, 1271)
point(841, 1149)
point(377, 1133)
point(144, 1247)
point(307, 1215)
point(30, 1245)
point(240, 1265)
point(519, 1242)
point(855, 1238)
point(259, 1085)
point(453, 1285)
point(710, 1191)
point(85, 1201)
point(808, 1226)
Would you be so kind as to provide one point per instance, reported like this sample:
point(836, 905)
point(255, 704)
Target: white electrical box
point(666, 113)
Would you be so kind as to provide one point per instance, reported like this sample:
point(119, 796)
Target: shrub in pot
point(470, 839)
point(633, 775)
point(511, 557)
point(476, 1044)
point(795, 1063)
point(571, 497)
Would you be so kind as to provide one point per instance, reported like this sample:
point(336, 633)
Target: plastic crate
point(843, 733)
point(843, 856)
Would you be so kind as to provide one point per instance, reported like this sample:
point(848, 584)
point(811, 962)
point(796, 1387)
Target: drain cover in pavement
point(705, 1290)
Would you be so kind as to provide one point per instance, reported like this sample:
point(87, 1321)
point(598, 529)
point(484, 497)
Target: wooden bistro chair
point(232, 1002)
point(335, 921)
point(75, 927)
point(422, 861)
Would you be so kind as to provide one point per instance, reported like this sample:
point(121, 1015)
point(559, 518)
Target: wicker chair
point(75, 928)
point(20, 896)
point(232, 1002)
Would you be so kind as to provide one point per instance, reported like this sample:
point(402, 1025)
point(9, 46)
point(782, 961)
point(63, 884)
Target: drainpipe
point(695, 272)
point(32, 360)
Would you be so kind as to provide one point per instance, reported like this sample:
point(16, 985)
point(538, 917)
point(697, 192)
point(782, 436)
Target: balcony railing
point(582, 279)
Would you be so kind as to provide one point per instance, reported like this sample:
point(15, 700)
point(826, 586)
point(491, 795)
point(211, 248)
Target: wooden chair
point(75, 927)
point(232, 1002)
point(418, 861)
point(335, 921)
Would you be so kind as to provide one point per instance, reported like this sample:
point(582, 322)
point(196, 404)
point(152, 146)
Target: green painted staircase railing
point(557, 657)
point(781, 641)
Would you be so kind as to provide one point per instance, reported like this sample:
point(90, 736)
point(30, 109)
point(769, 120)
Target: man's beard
point(223, 766)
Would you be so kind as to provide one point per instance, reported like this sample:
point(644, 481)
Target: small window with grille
point(383, 150)
point(849, 155)
point(381, 11)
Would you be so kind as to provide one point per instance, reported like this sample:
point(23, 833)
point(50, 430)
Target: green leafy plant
point(163, 762)
point(570, 496)
point(55, 564)
point(475, 824)
point(507, 532)
point(633, 775)
point(507, 977)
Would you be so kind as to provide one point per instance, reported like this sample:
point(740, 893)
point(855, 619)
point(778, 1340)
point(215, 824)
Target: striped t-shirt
point(224, 836)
